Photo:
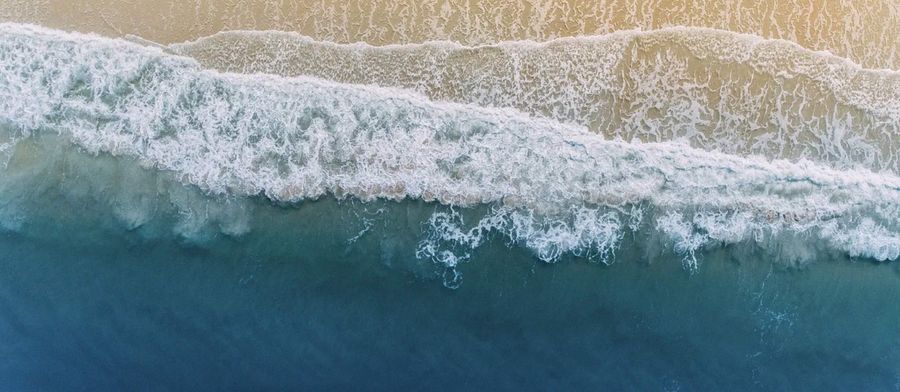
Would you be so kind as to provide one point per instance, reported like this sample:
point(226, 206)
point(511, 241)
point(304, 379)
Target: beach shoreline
point(863, 32)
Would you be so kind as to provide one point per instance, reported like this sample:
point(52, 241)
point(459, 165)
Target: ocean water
point(678, 209)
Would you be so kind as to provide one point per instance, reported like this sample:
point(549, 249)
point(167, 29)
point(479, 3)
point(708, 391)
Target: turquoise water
point(166, 227)
point(297, 307)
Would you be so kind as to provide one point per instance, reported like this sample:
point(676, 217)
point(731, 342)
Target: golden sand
point(866, 31)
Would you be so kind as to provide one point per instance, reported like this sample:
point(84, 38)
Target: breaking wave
point(717, 90)
point(554, 187)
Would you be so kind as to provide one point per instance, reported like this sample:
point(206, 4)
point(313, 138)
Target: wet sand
point(865, 31)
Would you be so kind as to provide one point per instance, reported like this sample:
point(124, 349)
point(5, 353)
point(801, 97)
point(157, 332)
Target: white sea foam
point(554, 187)
point(717, 90)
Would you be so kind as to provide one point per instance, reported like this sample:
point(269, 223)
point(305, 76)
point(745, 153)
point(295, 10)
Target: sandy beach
point(865, 31)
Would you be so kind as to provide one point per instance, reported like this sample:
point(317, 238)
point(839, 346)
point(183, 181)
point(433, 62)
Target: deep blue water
point(295, 307)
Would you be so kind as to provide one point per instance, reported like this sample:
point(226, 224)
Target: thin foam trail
point(862, 30)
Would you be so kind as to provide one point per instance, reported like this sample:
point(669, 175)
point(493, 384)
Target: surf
point(716, 90)
point(555, 188)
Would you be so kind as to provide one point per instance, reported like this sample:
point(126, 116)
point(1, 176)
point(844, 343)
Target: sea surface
point(518, 196)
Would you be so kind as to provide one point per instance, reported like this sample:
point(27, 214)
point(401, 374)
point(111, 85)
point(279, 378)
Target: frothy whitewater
point(556, 187)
